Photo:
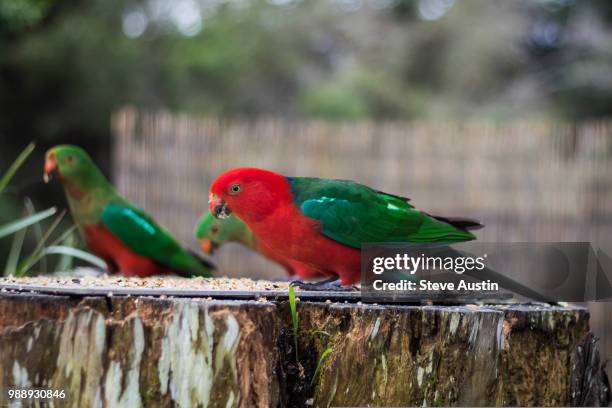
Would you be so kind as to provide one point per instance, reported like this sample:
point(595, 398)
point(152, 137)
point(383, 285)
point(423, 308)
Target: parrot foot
point(332, 285)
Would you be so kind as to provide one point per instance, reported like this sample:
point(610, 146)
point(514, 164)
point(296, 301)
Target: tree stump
point(131, 351)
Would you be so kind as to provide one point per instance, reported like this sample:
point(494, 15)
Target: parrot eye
point(69, 159)
point(235, 189)
point(214, 229)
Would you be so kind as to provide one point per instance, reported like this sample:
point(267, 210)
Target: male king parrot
point(212, 232)
point(128, 239)
point(323, 223)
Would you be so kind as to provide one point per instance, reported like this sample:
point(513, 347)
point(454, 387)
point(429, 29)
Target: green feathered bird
point(126, 237)
point(212, 232)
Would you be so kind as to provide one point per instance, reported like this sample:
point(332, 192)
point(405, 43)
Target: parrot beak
point(208, 246)
point(218, 207)
point(50, 168)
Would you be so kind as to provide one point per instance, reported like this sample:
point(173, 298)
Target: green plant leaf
point(64, 235)
point(316, 373)
point(37, 254)
point(15, 252)
point(65, 262)
point(8, 175)
point(75, 253)
point(321, 332)
point(12, 227)
point(294, 319)
point(29, 206)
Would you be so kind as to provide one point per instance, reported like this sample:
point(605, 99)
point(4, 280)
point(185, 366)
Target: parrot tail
point(203, 261)
point(503, 281)
point(466, 224)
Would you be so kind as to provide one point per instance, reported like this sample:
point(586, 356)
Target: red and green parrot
point(322, 223)
point(127, 238)
point(212, 232)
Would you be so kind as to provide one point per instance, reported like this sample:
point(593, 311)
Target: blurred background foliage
point(66, 65)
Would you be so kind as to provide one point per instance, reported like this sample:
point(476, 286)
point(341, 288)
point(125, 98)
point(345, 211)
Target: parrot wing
point(143, 235)
point(354, 214)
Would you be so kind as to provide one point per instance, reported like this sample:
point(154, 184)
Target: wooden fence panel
point(527, 181)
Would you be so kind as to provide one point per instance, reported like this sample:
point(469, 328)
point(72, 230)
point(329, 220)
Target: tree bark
point(146, 351)
point(440, 355)
point(131, 352)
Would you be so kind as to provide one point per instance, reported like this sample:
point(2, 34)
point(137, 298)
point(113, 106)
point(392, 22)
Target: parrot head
point(68, 163)
point(211, 232)
point(249, 192)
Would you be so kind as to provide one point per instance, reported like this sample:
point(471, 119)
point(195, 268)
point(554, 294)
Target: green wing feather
point(354, 214)
point(144, 236)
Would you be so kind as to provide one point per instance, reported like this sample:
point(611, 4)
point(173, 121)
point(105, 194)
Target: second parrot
point(126, 237)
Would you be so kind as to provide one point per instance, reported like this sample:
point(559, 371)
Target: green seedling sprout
point(316, 373)
point(294, 319)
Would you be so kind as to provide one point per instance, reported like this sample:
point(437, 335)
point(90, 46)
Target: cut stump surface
point(149, 351)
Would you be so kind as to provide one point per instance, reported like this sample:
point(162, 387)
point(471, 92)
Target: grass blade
point(65, 262)
point(294, 319)
point(37, 231)
point(38, 254)
point(11, 227)
point(316, 373)
point(15, 252)
point(321, 332)
point(75, 253)
point(64, 235)
point(8, 175)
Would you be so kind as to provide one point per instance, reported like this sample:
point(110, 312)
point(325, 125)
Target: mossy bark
point(131, 352)
point(127, 351)
point(440, 355)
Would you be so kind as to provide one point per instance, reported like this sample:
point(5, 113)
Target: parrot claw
point(332, 285)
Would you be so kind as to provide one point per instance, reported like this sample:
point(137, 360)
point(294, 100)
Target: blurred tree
point(18, 15)
point(570, 44)
point(66, 65)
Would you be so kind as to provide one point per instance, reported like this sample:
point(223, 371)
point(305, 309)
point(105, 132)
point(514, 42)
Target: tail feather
point(502, 280)
point(466, 224)
point(200, 267)
point(204, 261)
